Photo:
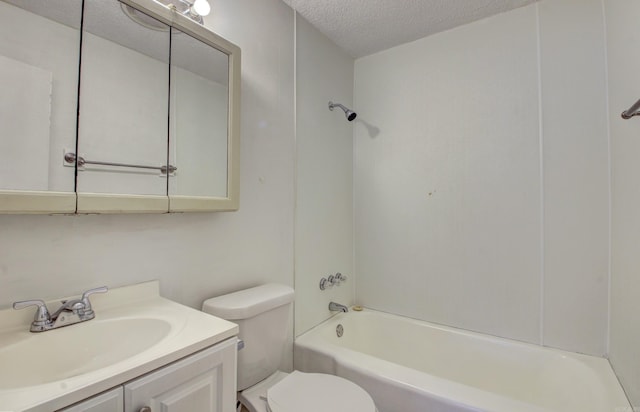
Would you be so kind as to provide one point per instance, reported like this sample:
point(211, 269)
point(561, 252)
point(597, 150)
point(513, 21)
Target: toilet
point(262, 314)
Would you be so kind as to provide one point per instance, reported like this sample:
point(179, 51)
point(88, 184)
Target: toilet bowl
point(263, 314)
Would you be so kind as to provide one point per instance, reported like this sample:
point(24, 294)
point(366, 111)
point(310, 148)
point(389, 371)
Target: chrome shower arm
point(332, 105)
point(350, 114)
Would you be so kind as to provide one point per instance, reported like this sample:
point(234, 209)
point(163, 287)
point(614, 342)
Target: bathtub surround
point(575, 175)
point(516, 178)
point(624, 90)
point(447, 196)
point(485, 195)
point(324, 186)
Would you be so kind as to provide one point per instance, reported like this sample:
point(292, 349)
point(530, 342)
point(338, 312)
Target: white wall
point(193, 255)
point(473, 185)
point(624, 90)
point(324, 188)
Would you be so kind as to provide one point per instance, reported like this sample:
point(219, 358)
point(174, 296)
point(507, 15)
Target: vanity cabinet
point(110, 401)
point(203, 382)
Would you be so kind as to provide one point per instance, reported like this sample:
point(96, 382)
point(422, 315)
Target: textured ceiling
point(363, 27)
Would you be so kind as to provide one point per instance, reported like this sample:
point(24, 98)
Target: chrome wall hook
point(632, 111)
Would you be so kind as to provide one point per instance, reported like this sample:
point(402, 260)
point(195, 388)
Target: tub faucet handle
point(326, 283)
point(332, 280)
point(339, 277)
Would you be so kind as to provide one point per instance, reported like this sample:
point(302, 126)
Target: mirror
point(122, 126)
point(205, 73)
point(39, 52)
point(198, 117)
point(151, 124)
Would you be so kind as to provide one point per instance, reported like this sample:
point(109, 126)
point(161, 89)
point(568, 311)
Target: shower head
point(350, 114)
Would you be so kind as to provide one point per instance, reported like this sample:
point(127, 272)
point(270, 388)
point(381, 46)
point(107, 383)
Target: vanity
point(141, 353)
point(116, 106)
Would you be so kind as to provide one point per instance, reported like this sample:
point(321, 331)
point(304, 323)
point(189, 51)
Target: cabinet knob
point(145, 409)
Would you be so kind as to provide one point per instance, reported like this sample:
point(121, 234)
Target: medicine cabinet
point(115, 106)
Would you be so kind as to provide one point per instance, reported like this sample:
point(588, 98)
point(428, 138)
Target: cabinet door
point(112, 401)
point(123, 111)
point(204, 382)
point(39, 54)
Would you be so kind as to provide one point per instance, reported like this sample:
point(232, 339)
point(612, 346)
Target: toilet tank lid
point(248, 303)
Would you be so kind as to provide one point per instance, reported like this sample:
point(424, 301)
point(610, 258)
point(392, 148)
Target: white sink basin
point(135, 331)
point(37, 358)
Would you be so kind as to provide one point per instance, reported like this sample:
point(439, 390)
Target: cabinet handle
point(145, 409)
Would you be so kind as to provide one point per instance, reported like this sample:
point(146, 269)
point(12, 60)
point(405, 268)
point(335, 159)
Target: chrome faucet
point(71, 311)
point(336, 306)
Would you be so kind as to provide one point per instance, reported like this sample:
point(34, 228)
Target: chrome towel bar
point(71, 157)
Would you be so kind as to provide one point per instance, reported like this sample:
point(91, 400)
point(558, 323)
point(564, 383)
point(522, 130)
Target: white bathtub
point(412, 366)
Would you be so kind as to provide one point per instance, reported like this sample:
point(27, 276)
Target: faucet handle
point(101, 289)
point(88, 311)
point(42, 316)
point(339, 277)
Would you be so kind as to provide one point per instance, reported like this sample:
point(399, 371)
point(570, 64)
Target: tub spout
point(337, 306)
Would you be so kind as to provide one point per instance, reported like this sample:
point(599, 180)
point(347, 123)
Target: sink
point(135, 331)
point(30, 359)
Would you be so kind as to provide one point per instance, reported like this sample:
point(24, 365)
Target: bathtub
point(413, 366)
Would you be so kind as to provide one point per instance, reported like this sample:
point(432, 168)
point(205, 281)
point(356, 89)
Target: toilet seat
point(317, 392)
point(308, 392)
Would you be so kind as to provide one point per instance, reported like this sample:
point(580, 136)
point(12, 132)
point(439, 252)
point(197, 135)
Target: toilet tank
point(262, 314)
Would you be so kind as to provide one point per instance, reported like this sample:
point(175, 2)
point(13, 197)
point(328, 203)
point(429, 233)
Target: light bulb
point(201, 7)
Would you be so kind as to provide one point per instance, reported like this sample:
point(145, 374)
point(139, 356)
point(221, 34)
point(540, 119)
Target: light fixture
point(194, 10)
point(201, 7)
